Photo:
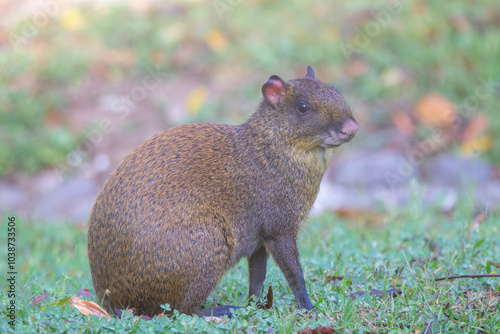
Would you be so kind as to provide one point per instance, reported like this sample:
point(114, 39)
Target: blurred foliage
point(381, 50)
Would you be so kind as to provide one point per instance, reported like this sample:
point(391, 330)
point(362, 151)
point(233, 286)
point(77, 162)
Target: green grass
point(420, 38)
point(52, 259)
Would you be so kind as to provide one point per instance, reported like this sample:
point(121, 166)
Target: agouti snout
point(190, 202)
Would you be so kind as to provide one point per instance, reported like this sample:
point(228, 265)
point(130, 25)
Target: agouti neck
point(268, 137)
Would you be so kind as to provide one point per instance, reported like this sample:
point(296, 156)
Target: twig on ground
point(466, 276)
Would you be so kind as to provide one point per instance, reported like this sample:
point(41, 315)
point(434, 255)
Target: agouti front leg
point(257, 264)
point(285, 252)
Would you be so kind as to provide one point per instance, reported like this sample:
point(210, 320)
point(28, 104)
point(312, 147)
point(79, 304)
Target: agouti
point(191, 201)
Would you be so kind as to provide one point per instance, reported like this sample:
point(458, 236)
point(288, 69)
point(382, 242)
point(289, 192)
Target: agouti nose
point(349, 128)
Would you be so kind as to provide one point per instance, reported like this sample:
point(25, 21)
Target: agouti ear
point(274, 89)
point(310, 72)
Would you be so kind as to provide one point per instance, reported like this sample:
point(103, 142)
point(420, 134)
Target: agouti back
point(190, 202)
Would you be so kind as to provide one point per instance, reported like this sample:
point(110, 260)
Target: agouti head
point(316, 113)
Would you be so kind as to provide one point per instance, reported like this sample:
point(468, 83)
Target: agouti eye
point(303, 108)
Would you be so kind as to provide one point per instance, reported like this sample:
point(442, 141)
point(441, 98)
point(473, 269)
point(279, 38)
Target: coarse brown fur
point(190, 202)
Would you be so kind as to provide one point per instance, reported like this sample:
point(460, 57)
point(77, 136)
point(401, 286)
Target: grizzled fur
point(190, 202)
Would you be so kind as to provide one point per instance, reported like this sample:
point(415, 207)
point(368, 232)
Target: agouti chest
point(279, 208)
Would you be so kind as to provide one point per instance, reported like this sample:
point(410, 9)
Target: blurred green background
point(401, 64)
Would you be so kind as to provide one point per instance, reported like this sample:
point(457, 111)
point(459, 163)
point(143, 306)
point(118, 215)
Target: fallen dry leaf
point(88, 307)
point(435, 110)
point(269, 302)
point(370, 217)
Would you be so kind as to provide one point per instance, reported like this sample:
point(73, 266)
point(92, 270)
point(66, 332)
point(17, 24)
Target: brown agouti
point(190, 202)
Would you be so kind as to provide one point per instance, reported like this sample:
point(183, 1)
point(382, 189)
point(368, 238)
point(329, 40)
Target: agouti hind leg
point(209, 250)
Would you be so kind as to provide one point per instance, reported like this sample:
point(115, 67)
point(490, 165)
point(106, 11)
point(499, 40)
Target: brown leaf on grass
point(365, 216)
point(403, 123)
point(88, 307)
point(333, 279)
point(84, 292)
point(318, 330)
point(38, 299)
point(269, 302)
point(377, 293)
point(435, 110)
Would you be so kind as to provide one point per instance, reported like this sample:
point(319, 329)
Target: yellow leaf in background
point(477, 145)
point(216, 40)
point(72, 19)
point(196, 99)
point(88, 307)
